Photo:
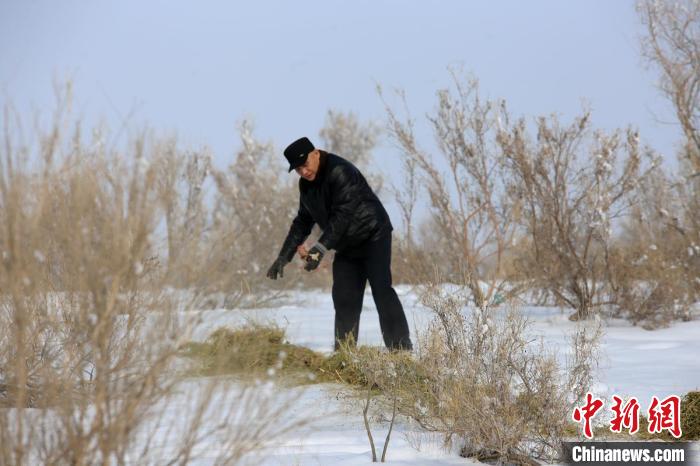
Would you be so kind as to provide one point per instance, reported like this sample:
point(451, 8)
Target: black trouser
point(371, 262)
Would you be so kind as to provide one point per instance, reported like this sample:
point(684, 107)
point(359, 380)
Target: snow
point(634, 362)
point(337, 436)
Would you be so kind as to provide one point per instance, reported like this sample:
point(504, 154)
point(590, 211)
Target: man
point(334, 194)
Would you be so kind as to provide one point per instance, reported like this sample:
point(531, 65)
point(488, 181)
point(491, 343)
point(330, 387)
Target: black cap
point(297, 152)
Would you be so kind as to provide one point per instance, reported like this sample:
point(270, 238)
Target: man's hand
point(313, 258)
point(277, 268)
point(302, 251)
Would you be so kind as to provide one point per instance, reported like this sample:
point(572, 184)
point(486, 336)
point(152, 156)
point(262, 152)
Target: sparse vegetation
point(255, 350)
point(480, 382)
point(690, 416)
point(102, 244)
point(580, 217)
point(490, 388)
point(251, 351)
point(470, 228)
point(88, 328)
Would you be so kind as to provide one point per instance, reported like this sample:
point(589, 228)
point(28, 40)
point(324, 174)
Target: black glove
point(313, 258)
point(277, 268)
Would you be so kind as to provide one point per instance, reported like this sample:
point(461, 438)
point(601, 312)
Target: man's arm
point(345, 197)
point(298, 232)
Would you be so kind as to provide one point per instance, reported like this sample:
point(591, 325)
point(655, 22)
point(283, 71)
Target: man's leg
point(392, 318)
point(348, 290)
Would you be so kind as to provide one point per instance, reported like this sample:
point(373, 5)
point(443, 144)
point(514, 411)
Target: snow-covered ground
point(634, 362)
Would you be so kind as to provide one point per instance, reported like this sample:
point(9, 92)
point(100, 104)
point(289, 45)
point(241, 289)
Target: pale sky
point(198, 68)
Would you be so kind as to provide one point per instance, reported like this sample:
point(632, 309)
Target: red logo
point(589, 411)
point(627, 416)
point(663, 415)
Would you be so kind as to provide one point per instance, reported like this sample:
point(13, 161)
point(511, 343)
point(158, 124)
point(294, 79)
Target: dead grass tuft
point(255, 350)
point(251, 351)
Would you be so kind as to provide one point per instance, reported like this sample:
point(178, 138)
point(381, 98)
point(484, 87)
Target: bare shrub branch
point(89, 340)
point(574, 186)
point(471, 226)
point(483, 381)
point(671, 45)
point(345, 135)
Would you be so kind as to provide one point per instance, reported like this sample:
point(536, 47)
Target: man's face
point(310, 168)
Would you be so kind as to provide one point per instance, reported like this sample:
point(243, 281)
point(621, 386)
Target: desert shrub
point(666, 226)
point(481, 381)
point(470, 228)
point(670, 45)
point(574, 186)
point(86, 333)
point(508, 211)
point(548, 211)
point(252, 208)
point(181, 181)
point(411, 260)
point(345, 135)
point(655, 261)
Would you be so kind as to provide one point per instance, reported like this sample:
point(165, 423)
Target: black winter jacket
point(344, 206)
